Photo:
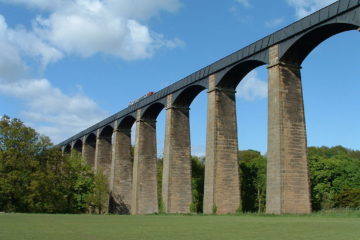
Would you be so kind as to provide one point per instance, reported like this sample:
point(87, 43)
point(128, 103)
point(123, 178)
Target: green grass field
point(174, 227)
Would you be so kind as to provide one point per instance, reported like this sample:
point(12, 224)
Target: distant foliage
point(197, 184)
point(335, 177)
point(36, 178)
point(252, 180)
point(98, 197)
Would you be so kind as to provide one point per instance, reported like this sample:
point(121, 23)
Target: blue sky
point(66, 65)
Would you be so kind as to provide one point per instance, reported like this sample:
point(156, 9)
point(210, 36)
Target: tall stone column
point(103, 158)
point(287, 165)
point(121, 187)
point(88, 153)
point(144, 189)
point(176, 182)
point(221, 190)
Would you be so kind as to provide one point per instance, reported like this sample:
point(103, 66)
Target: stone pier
point(221, 189)
point(88, 152)
point(103, 156)
point(144, 188)
point(176, 182)
point(287, 168)
point(121, 187)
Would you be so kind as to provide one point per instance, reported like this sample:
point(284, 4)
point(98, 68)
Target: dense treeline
point(34, 177)
point(334, 176)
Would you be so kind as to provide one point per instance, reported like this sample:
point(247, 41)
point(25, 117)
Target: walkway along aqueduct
point(133, 185)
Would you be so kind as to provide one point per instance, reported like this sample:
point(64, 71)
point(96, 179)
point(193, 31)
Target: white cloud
point(17, 43)
point(274, 22)
point(52, 112)
point(42, 4)
point(252, 88)
point(244, 3)
point(80, 27)
point(88, 27)
point(306, 7)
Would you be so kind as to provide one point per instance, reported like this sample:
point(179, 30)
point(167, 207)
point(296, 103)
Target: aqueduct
point(107, 144)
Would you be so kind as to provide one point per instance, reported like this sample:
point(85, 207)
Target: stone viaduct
point(133, 185)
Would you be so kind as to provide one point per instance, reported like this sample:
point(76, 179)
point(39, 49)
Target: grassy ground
point(329, 226)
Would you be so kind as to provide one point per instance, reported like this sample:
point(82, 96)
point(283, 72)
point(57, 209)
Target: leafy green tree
point(19, 148)
point(159, 173)
point(98, 199)
point(197, 183)
point(35, 177)
point(335, 177)
point(252, 180)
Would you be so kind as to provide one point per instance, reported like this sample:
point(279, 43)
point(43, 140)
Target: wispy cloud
point(88, 27)
point(79, 27)
point(306, 7)
point(252, 88)
point(274, 22)
point(52, 112)
point(244, 3)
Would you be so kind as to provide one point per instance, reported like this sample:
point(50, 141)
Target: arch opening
point(330, 82)
point(234, 76)
point(91, 140)
point(198, 125)
point(127, 123)
point(67, 149)
point(153, 111)
point(187, 96)
point(107, 133)
point(78, 146)
point(299, 50)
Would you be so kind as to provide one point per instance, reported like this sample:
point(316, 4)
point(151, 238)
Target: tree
point(252, 180)
point(98, 200)
point(36, 177)
point(197, 183)
point(335, 177)
point(19, 148)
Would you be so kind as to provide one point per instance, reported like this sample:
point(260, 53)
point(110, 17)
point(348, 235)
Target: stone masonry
point(144, 189)
point(287, 167)
point(103, 156)
point(103, 159)
point(222, 189)
point(176, 182)
point(121, 187)
point(88, 153)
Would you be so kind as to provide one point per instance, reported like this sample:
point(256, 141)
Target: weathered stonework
point(221, 190)
point(144, 188)
point(88, 153)
point(122, 167)
point(176, 182)
point(103, 158)
point(287, 168)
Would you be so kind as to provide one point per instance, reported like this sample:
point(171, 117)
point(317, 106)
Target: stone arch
point(187, 96)
point(106, 133)
point(301, 47)
point(127, 122)
point(89, 148)
point(78, 145)
point(232, 76)
point(91, 140)
point(153, 111)
point(67, 149)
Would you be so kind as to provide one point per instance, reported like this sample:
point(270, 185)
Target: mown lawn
point(174, 227)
